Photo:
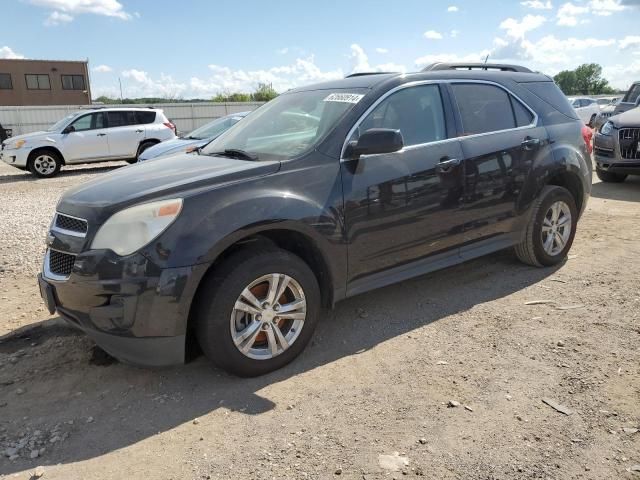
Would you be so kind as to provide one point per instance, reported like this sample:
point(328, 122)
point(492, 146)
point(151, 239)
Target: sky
point(199, 48)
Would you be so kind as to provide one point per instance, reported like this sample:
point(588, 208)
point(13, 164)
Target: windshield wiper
point(236, 153)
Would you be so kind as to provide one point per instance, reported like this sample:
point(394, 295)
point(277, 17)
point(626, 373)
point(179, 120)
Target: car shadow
point(65, 172)
point(132, 404)
point(627, 191)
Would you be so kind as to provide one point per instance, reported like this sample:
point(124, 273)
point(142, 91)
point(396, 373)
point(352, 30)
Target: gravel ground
point(453, 375)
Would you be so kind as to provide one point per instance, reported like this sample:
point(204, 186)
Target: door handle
point(446, 164)
point(530, 143)
point(139, 131)
point(101, 134)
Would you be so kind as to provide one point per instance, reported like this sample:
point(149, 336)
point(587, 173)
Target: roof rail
point(362, 74)
point(503, 67)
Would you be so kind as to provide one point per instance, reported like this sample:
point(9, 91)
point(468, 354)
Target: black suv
point(326, 192)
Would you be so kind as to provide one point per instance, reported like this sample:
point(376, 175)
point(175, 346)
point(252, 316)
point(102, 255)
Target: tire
point(44, 163)
point(143, 146)
point(610, 177)
point(534, 249)
point(218, 319)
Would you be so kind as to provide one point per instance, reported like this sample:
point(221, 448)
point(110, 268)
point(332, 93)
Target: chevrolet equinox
point(323, 193)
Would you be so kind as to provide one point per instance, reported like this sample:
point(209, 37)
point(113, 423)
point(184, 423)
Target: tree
point(584, 80)
point(264, 93)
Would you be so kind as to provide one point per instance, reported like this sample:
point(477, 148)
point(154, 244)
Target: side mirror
point(375, 141)
point(69, 129)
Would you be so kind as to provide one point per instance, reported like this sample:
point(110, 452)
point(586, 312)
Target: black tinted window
point(121, 118)
point(633, 94)
point(416, 111)
point(523, 115)
point(5, 81)
point(145, 117)
point(551, 94)
point(483, 108)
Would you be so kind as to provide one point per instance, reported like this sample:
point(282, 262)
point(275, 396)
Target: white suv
point(587, 109)
point(95, 135)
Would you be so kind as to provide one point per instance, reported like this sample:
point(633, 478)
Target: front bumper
point(608, 158)
point(132, 309)
point(16, 157)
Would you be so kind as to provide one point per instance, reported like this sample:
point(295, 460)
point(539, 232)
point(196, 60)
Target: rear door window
point(523, 115)
point(483, 108)
point(121, 118)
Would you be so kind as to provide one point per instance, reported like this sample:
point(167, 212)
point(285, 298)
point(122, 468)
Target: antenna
point(486, 58)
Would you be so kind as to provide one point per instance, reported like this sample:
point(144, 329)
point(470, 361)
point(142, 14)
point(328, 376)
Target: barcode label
point(344, 97)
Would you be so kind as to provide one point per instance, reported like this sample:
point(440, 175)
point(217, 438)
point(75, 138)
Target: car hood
point(630, 118)
point(172, 176)
point(169, 147)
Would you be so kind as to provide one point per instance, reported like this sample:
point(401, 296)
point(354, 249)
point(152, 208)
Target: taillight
point(171, 126)
point(587, 135)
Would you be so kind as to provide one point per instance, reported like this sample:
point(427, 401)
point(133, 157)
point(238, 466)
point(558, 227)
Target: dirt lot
point(441, 377)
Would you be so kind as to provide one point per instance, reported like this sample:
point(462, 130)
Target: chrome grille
point(70, 224)
point(629, 138)
point(61, 263)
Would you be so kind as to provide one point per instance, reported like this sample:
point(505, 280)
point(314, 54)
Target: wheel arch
point(286, 237)
point(43, 148)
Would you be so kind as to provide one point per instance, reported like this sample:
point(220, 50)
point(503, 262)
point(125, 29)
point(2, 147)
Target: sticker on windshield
point(344, 97)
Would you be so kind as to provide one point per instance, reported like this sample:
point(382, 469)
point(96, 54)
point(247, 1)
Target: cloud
point(453, 8)
point(432, 35)
point(360, 62)
point(6, 52)
point(108, 8)
point(568, 14)
point(102, 69)
point(630, 41)
point(142, 85)
point(382, 50)
point(517, 29)
point(282, 51)
point(622, 75)
point(454, 33)
point(606, 7)
point(56, 18)
point(537, 4)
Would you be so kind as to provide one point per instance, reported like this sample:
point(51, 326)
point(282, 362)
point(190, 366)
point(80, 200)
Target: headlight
point(132, 228)
point(607, 128)
point(18, 144)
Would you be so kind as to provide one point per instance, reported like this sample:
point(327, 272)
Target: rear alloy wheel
point(610, 177)
point(258, 311)
point(45, 164)
point(551, 229)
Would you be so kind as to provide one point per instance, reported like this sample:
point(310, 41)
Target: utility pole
point(120, 82)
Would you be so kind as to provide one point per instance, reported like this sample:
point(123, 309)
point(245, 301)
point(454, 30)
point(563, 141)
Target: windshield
point(288, 125)
point(213, 129)
point(61, 123)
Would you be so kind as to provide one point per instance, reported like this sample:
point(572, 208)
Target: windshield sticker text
point(344, 97)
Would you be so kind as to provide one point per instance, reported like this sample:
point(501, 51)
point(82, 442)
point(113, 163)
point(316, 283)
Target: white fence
point(186, 116)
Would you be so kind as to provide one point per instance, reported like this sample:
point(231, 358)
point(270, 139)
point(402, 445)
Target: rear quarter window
point(145, 117)
point(552, 95)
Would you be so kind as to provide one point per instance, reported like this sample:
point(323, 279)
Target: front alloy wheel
point(268, 316)
point(257, 310)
